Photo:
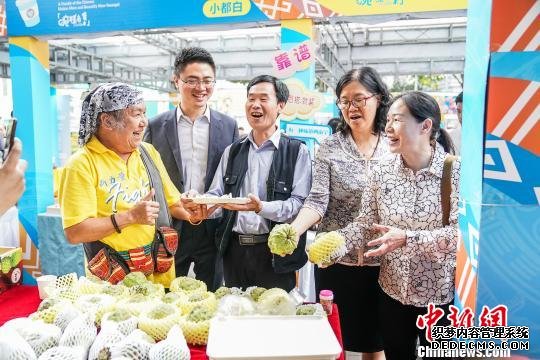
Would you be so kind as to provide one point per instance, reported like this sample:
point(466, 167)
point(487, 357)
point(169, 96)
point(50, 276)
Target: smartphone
point(11, 127)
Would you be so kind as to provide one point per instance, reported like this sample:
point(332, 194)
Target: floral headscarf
point(105, 98)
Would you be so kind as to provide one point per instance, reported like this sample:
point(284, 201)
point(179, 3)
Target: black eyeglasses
point(344, 104)
point(204, 83)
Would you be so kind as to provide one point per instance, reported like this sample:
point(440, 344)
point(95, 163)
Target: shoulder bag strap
point(446, 188)
point(164, 217)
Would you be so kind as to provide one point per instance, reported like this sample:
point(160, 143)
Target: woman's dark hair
point(371, 80)
point(334, 123)
point(423, 106)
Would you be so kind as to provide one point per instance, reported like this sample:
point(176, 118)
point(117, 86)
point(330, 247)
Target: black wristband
point(115, 224)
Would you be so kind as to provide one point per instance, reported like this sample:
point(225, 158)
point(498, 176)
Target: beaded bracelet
point(115, 224)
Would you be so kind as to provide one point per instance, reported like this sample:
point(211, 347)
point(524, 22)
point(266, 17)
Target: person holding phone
point(2, 141)
point(12, 183)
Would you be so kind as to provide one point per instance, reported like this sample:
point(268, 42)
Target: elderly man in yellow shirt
point(111, 189)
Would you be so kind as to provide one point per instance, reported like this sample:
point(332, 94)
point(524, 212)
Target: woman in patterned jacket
point(341, 170)
point(401, 221)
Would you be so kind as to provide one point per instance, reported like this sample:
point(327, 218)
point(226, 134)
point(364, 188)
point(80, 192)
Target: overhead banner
point(59, 17)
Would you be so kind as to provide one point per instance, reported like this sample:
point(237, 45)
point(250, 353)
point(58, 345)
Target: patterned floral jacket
point(340, 174)
point(423, 270)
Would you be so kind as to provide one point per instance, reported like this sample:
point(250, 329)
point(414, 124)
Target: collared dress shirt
point(193, 137)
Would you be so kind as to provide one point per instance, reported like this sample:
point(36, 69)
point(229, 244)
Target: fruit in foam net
point(200, 313)
point(16, 257)
point(310, 309)
point(197, 325)
point(255, 292)
point(206, 299)
point(6, 264)
point(119, 315)
point(113, 290)
point(276, 301)
point(305, 310)
point(172, 298)
point(187, 284)
point(134, 278)
point(326, 248)
point(282, 240)
point(135, 304)
point(161, 311)
point(159, 320)
point(47, 303)
point(222, 291)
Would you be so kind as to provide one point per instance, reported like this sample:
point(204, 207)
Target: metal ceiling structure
point(145, 58)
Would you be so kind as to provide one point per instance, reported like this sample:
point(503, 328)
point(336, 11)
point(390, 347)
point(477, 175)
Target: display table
point(23, 300)
point(57, 256)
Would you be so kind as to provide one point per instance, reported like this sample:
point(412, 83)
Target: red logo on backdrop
point(463, 319)
point(495, 317)
point(427, 321)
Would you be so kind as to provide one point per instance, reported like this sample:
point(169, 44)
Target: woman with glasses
point(341, 170)
point(408, 219)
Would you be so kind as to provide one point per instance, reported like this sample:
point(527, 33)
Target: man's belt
point(251, 239)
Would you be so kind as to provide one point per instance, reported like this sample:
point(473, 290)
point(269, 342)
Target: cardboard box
point(10, 267)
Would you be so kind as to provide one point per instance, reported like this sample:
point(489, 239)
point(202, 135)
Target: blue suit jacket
point(163, 134)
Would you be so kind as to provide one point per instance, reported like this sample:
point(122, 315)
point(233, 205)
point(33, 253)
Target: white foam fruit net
point(64, 353)
point(136, 304)
point(41, 336)
point(105, 340)
point(90, 285)
point(236, 305)
point(158, 320)
point(120, 319)
point(135, 346)
point(80, 332)
point(97, 304)
point(14, 347)
point(65, 315)
point(48, 309)
point(174, 347)
point(65, 287)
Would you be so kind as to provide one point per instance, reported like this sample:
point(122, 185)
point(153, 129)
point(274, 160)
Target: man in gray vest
point(274, 172)
point(191, 140)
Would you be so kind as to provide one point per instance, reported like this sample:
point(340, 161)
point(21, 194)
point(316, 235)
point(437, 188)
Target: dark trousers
point(198, 246)
point(251, 265)
point(356, 293)
point(399, 330)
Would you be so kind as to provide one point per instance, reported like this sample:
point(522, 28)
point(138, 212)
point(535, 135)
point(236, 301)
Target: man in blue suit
point(191, 140)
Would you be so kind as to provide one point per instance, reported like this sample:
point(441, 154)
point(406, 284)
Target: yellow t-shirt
point(57, 175)
point(96, 182)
